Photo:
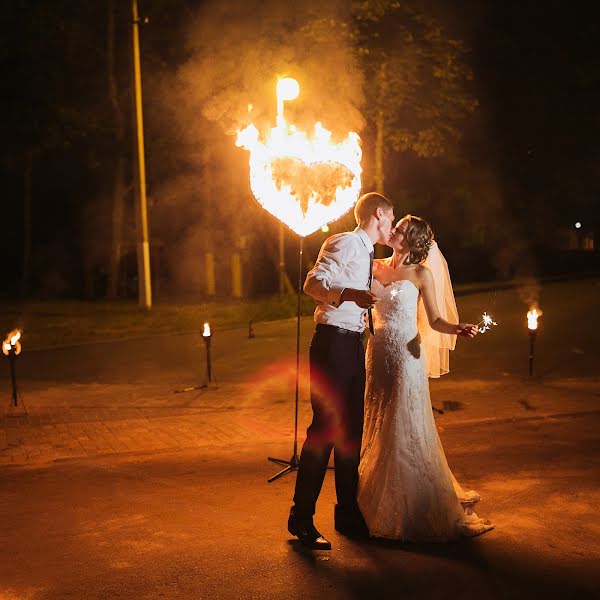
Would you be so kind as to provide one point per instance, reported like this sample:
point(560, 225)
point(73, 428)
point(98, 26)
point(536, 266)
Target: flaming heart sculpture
point(305, 182)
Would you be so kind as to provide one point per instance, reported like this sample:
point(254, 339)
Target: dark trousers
point(337, 387)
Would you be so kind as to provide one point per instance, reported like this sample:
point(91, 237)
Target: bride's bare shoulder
point(423, 274)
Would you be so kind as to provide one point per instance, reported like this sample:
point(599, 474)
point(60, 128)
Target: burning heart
point(316, 182)
point(303, 181)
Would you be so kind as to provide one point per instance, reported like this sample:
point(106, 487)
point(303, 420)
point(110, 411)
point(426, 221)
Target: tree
point(62, 119)
point(37, 117)
point(416, 80)
point(119, 186)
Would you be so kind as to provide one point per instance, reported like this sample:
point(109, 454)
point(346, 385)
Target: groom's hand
point(364, 298)
point(466, 330)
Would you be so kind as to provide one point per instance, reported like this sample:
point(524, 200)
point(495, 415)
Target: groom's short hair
point(367, 204)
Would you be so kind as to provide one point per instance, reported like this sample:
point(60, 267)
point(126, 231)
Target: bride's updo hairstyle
point(419, 237)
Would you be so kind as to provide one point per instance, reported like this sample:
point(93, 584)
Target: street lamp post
point(143, 246)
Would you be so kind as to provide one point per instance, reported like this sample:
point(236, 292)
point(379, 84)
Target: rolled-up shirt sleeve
point(333, 258)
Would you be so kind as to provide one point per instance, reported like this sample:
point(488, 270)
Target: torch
point(206, 335)
point(11, 347)
point(532, 325)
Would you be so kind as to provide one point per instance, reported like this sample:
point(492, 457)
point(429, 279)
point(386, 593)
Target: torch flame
point(532, 318)
point(303, 181)
point(206, 331)
point(12, 341)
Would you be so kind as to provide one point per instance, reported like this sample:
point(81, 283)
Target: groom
point(340, 283)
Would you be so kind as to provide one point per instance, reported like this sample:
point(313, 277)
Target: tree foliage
point(415, 77)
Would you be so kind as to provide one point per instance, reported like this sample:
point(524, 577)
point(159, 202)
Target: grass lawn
point(51, 323)
point(47, 324)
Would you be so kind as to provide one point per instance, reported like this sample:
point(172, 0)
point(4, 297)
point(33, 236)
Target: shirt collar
point(365, 239)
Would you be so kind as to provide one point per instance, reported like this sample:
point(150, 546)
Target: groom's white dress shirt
point(343, 262)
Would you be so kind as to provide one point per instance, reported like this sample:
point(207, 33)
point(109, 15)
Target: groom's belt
point(333, 329)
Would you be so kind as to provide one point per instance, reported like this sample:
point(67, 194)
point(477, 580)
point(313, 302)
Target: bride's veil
point(436, 346)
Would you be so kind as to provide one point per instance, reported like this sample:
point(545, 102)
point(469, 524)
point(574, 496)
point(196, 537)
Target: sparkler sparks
point(486, 323)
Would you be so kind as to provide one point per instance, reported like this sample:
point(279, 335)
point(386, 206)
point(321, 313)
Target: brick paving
point(46, 433)
point(217, 417)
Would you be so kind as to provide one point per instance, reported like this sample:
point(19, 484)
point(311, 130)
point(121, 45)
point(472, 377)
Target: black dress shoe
point(350, 523)
point(307, 533)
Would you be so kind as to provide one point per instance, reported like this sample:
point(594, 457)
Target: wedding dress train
point(406, 490)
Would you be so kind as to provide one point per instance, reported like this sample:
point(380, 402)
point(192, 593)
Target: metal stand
point(13, 378)
point(532, 336)
point(294, 462)
point(208, 360)
point(208, 383)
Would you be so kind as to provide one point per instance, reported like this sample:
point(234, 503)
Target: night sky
point(504, 197)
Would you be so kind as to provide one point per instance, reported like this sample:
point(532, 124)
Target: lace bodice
point(395, 315)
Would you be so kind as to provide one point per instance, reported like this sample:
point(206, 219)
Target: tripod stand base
point(18, 410)
point(291, 465)
point(192, 388)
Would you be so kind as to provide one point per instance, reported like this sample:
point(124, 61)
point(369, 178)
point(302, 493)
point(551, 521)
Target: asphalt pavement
point(201, 523)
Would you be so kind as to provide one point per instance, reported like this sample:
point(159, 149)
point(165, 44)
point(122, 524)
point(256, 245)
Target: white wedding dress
point(406, 490)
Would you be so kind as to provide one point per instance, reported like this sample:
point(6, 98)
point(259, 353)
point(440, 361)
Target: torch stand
point(294, 462)
point(209, 381)
point(15, 408)
point(532, 337)
point(13, 379)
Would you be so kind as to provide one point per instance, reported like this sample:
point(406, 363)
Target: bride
point(406, 490)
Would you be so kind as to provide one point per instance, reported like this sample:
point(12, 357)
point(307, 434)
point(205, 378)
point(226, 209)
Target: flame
point(206, 331)
point(305, 182)
point(532, 318)
point(11, 341)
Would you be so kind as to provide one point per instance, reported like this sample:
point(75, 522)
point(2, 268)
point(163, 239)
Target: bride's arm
point(427, 288)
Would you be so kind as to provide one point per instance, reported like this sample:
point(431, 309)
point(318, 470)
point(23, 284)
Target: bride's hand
point(466, 330)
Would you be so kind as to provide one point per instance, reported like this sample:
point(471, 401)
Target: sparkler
point(532, 324)
point(11, 347)
point(486, 323)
